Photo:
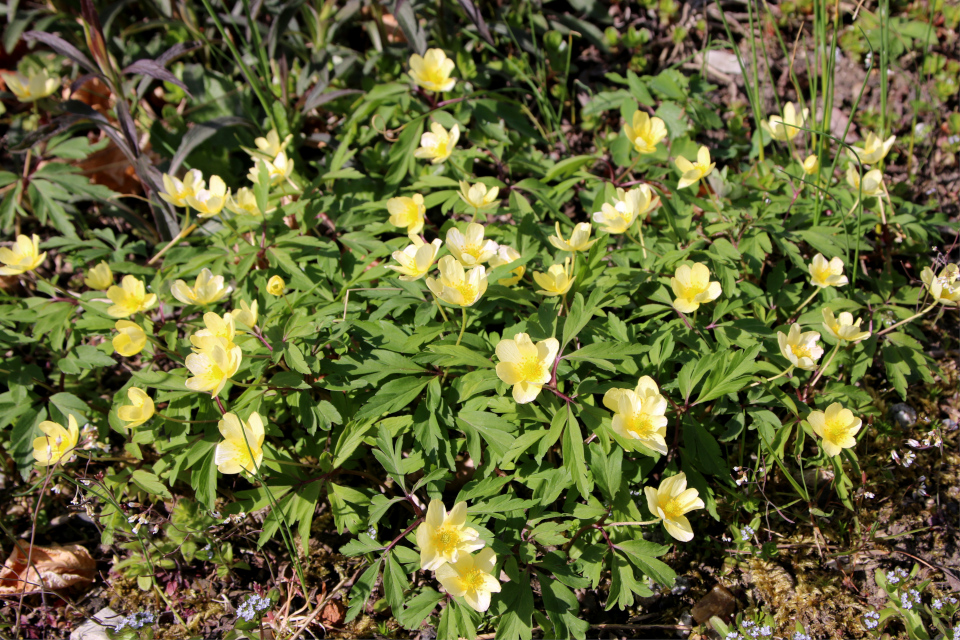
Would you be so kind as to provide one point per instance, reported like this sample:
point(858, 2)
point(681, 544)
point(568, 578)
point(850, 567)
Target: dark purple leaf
point(314, 101)
point(62, 47)
point(155, 70)
point(476, 18)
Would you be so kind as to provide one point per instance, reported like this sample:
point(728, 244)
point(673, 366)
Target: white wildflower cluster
point(908, 458)
point(136, 621)
point(746, 533)
point(740, 475)
point(254, 605)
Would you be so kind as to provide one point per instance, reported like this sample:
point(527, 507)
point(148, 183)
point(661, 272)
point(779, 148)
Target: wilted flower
point(129, 298)
point(692, 287)
point(843, 327)
point(443, 536)
point(437, 144)
point(270, 146)
point(645, 132)
point(579, 239)
point(639, 414)
point(670, 502)
point(477, 196)
point(243, 202)
point(57, 444)
point(275, 286)
point(525, 365)
point(470, 249)
point(556, 281)
point(470, 578)
point(456, 286)
point(506, 255)
point(826, 274)
point(176, 192)
point(870, 186)
point(944, 288)
point(432, 71)
point(207, 289)
point(242, 446)
point(416, 259)
point(130, 339)
point(246, 314)
point(99, 277)
point(837, 426)
point(811, 164)
point(25, 256)
point(694, 171)
point(407, 212)
point(801, 349)
point(209, 202)
point(33, 86)
point(140, 411)
point(874, 150)
point(786, 127)
point(619, 216)
point(278, 169)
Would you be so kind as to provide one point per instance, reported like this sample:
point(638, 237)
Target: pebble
point(903, 414)
point(92, 630)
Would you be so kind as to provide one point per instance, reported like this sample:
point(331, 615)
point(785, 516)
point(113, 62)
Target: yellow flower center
point(473, 580)
point(468, 291)
point(834, 430)
point(446, 539)
point(472, 250)
point(641, 424)
point(690, 291)
point(531, 369)
point(801, 350)
point(434, 75)
point(671, 509)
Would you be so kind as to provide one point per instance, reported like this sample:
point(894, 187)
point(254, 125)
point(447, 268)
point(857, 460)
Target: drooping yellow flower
point(215, 326)
point(579, 239)
point(243, 203)
point(470, 578)
point(786, 127)
point(671, 502)
point(694, 171)
point(525, 365)
point(873, 150)
point(33, 86)
point(99, 277)
point(129, 298)
point(279, 169)
point(801, 349)
point(242, 446)
point(470, 249)
point(206, 290)
point(692, 287)
point(23, 257)
point(870, 186)
point(140, 411)
point(407, 212)
point(176, 192)
point(269, 147)
point(645, 133)
point(843, 327)
point(275, 286)
point(639, 414)
point(57, 444)
point(216, 360)
point(209, 202)
point(246, 315)
point(826, 274)
point(619, 216)
point(811, 164)
point(556, 281)
point(456, 286)
point(506, 255)
point(416, 259)
point(432, 71)
point(944, 288)
point(478, 197)
point(443, 537)
point(438, 144)
point(837, 427)
point(130, 339)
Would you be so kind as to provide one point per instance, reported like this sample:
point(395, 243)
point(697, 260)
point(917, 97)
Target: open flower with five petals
point(432, 70)
point(278, 170)
point(438, 144)
point(786, 127)
point(470, 578)
point(579, 239)
point(525, 365)
point(556, 281)
point(944, 288)
point(843, 327)
point(416, 259)
point(140, 411)
point(619, 216)
point(269, 146)
point(836, 426)
point(692, 287)
point(23, 257)
point(639, 414)
point(470, 248)
point(443, 537)
point(129, 298)
point(32, 86)
point(407, 212)
point(243, 203)
point(176, 191)
point(800, 348)
point(824, 273)
point(644, 132)
point(671, 502)
point(57, 443)
point(209, 202)
point(206, 290)
point(692, 172)
point(456, 286)
point(478, 196)
point(242, 446)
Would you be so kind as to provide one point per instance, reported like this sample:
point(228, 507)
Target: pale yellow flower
point(243, 203)
point(470, 249)
point(140, 411)
point(33, 86)
point(801, 349)
point(215, 326)
point(645, 133)
point(209, 202)
point(470, 578)
point(826, 274)
point(671, 502)
point(269, 147)
point(843, 327)
point(873, 150)
point(416, 259)
point(811, 164)
point(692, 287)
point(639, 414)
point(619, 216)
point(694, 171)
point(525, 365)
point(438, 144)
point(57, 444)
point(556, 281)
point(457, 287)
point(23, 257)
point(246, 315)
point(99, 277)
point(279, 169)
point(130, 339)
point(944, 288)
point(477, 196)
point(506, 255)
point(242, 446)
point(443, 536)
point(786, 127)
point(206, 290)
point(275, 286)
point(579, 239)
point(870, 186)
point(407, 212)
point(216, 361)
point(129, 298)
point(176, 191)
point(432, 71)
point(837, 426)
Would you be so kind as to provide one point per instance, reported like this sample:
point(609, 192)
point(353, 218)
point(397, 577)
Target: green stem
point(805, 303)
point(463, 326)
point(913, 317)
point(771, 379)
point(826, 364)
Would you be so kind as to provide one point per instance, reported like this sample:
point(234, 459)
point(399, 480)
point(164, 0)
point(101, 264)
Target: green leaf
point(394, 583)
point(704, 448)
point(418, 608)
point(573, 459)
point(516, 603)
point(494, 430)
point(203, 478)
point(644, 556)
point(150, 483)
point(566, 167)
point(361, 591)
point(294, 358)
point(393, 396)
point(453, 355)
point(731, 372)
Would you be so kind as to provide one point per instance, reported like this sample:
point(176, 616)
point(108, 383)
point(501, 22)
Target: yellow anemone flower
point(477, 196)
point(579, 239)
point(438, 144)
point(692, 172)
point(206, 290)
point(416, 259)
point(645, 133)
point(129, 298)
point(456, 286)
point(873, 150)
point(556, 281)
point(23, 257)
point(525, 365)
point(871, 185)
point(214, 327)
point(246, 315)
point(944, 288)
point(279, 169)
point(270, 146)
point(837, 427)
point(140, 411)
point(407, 212)
point(470, 578)
point(786, 127)
point(275, 286)
point(432, 70)
point(242, 446)
point(843, 327)
point(811, 164)
point(801, 349)
point(506, 255)
point(57, 444)
point(130, 339)
point(443, 536)
point(243, 203)
point(670, 502)
point(209, 202)
point(639, 414)
point(216, 362)
point(692, 287)
point(99, 277)
point(619, 216)
point(470, 248)
point(176, 191)
point(32, 86)
point(826, 274)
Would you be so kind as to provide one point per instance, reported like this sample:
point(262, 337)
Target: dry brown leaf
point(53, 567)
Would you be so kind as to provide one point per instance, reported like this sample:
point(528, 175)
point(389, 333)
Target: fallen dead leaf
point(333, 613)
point(53, 567)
